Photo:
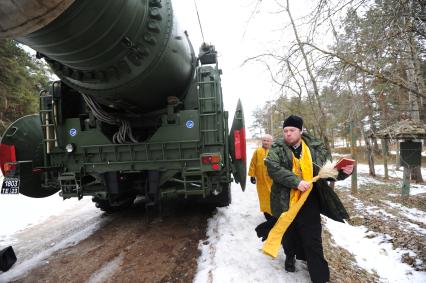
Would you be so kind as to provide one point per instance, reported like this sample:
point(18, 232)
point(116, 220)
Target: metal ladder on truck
point(208, 108)
point(48, 121)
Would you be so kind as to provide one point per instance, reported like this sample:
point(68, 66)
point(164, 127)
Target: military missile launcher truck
point(134, 114)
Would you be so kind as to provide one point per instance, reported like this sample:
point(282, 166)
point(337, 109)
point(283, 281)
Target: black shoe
point(289, 264)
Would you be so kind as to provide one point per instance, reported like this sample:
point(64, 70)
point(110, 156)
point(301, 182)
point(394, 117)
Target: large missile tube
point(127, 54)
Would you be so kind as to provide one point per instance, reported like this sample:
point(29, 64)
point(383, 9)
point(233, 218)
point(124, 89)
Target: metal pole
point(406, 182)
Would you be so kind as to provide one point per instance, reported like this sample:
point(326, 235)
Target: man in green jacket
point(302, 239)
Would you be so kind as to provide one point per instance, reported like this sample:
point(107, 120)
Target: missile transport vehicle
point(135, 113)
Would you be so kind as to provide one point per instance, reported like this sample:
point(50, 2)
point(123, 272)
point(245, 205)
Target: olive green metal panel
point(172, 155)
point(128, 54)
point(26, 134)
point(171, 147)
point(186, 127)
point(71, 132)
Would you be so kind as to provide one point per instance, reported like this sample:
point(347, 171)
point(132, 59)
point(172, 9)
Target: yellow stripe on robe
point(272, 244)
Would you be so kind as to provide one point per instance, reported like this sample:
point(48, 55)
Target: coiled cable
point(124, 133)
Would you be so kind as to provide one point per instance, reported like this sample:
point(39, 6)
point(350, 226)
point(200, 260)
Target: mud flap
point(7, 259)
point(25, 134)
point(237, 147)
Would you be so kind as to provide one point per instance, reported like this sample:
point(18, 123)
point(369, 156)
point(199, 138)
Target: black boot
point(289, 264)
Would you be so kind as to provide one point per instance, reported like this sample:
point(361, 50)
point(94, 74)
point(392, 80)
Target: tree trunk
point(397, 156)
point(406, 183)
point(370, 157)
point(416, 174)
point(385, 157)
point(354, 176)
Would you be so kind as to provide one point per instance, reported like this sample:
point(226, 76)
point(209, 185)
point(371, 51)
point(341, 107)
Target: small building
point(403, 130)
point(409, 134)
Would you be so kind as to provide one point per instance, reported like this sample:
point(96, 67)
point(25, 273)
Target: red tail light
point(7, 154)
point(240, 144)
point(215, 167)
point(210, 159)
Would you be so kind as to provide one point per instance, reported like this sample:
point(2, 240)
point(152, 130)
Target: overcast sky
point(239, 34)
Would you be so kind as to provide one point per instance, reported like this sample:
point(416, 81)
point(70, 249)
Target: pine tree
point(21, 79)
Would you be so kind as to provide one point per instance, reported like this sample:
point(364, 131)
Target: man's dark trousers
point(303, 239)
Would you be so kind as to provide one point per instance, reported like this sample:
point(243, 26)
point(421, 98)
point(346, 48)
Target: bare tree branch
point(375, 74)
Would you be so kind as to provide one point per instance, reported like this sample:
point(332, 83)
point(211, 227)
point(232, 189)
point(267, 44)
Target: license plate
point(10, 185)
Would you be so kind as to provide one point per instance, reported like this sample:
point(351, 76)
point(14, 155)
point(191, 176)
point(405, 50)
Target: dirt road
point(132, 248)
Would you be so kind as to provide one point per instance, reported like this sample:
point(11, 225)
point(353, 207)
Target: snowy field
point(36, 228)
point(231, 252)
point(393, 173)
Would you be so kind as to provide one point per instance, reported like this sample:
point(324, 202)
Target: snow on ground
point(415, 189)
point(374, 253)
point(18, 212)
point(232, 251)
point(23, 266)
point(36, 228)
point(411, 213)
point(105, 272)
point(380, 170)
point(362, 180)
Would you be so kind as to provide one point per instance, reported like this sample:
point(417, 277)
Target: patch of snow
point(105, 272)
point(380, 170)
point(36, 228)
point(362, 180)
point(374, 210)
point(374, 254)
point(18, 212)
point(21, 268)
point(416, 189)
point(411, 213)
point(232, 252)
point(393, 152)
point(338, 155)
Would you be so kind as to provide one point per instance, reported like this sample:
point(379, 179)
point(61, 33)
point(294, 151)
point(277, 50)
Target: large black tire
point(109, 207)
point(224, 198)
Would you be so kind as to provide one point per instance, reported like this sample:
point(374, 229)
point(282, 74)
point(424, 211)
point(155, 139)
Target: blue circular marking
point(73, 132)
point(189, 124)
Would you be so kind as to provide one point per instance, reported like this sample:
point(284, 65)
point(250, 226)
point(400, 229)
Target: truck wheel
point(224, 198)
point(111, 207)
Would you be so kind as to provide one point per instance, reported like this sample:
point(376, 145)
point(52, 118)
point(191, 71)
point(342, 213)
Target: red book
point(344, 162)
